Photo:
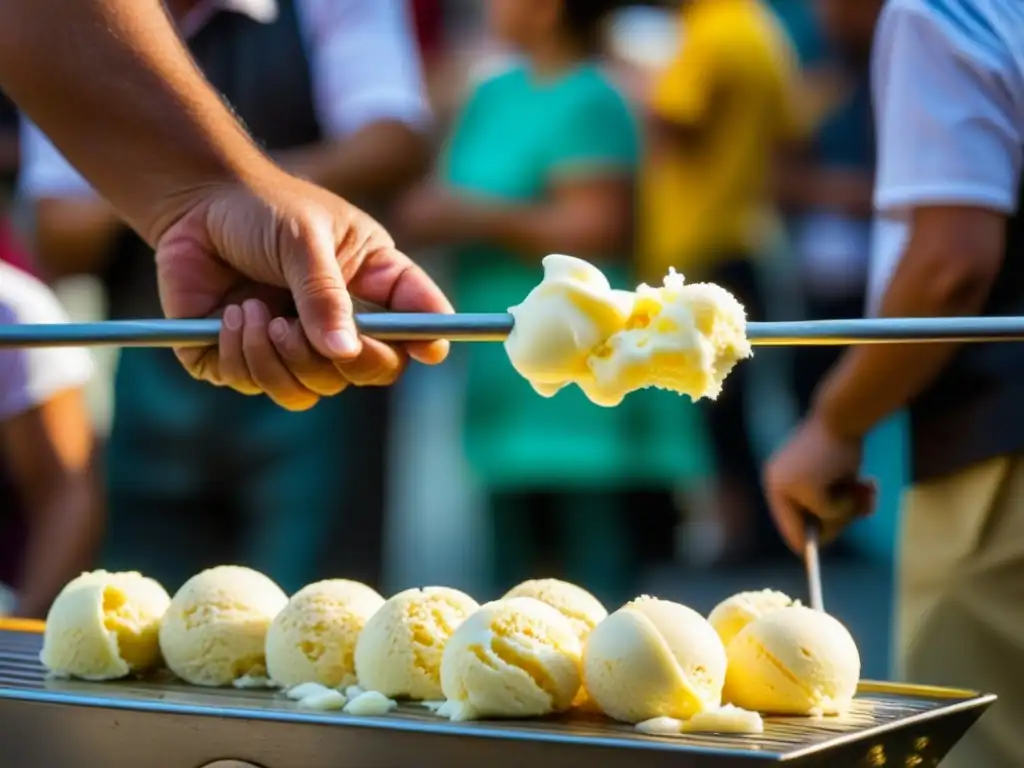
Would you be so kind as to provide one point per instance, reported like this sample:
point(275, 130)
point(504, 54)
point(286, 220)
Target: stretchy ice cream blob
point(683, 338)
point(794, 661)
point(574, 328)
point(653, 658)
point(512, 658)
point(734, 613)
point(399, 650)
point(573, 311)
point(104, 626)
point(314, 638)
point(215, 630)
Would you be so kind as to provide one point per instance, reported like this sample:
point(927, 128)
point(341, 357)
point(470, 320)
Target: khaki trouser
point(960, 600)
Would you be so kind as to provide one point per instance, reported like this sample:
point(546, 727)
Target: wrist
point(837, 415)
point(193, 187)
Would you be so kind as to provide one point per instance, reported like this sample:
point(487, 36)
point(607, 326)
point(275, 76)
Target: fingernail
point(342, 343)
point(279, 329)
point(254, 313)
point(233, 317)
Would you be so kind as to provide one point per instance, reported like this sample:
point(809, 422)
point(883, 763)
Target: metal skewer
point(812, 562)
point(496, 327)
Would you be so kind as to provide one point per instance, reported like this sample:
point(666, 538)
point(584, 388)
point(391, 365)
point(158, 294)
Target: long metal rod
point(812, 563)
point(496, 327)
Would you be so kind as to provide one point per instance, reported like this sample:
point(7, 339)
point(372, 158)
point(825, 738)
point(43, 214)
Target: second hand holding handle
point(848, 500)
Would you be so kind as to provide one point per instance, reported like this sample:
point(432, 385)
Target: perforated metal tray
point(164, 724)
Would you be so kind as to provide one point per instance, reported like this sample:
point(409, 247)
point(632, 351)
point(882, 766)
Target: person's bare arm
point(590, 217)
point(49, 449)
point(115, 88)
point(73, 236)
point(801, 184)
point(369, 96)
point(586, 217)
point(947, 270)
point(953, 175)
point(377, 161)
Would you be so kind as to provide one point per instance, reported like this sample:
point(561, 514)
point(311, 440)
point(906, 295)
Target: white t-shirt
point(30, 377)
point(948, 81)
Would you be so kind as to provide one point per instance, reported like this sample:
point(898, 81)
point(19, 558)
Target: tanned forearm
point(801, 186)
point(374, 163)
point(547, 229)
point(874, 381)
point(114, 87)
point(61, 542)
point(51, 453)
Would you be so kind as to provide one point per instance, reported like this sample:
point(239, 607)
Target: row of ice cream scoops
point(545, 647)
point(574, 328)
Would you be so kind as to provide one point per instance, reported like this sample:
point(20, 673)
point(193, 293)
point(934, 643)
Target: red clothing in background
point(12, 251)
point(429, 20)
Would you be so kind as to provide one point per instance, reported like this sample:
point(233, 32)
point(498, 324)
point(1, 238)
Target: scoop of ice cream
point(793, 661)
point(104, 626)
point(561, 321)
point(734, 613)
point(653, 658)
point(314, 638)
point(512, 658)
point(399, 650)
point(214, 631)
point(582, 609)
point(683, 338)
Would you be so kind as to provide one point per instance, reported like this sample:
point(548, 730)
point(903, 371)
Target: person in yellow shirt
point(718, 114)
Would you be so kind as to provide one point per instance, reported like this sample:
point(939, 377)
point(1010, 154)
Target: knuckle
point(317, 284)
point(300, 229)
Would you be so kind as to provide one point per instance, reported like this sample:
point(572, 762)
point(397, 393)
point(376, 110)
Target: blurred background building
point(460, 475)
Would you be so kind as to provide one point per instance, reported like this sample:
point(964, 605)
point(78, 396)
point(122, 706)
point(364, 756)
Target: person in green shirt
point(542, 160)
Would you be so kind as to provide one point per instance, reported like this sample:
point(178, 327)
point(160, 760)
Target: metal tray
point(165, 724)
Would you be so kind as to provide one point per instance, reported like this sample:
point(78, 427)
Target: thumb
point(789, 519)
point(318, 288)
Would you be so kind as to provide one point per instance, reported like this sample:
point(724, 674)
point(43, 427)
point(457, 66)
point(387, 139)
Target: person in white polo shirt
point(948, 80)
point(50, 515)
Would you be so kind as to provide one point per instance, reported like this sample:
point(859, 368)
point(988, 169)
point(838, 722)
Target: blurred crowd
point(729, 139)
